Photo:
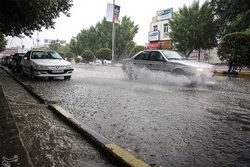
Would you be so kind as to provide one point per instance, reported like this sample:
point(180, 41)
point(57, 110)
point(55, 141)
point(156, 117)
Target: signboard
point(164, 14)
point(109, 14)
point(9, 50)
point(47, 41)
point(13, 51)
point(153, 35)
point(165, 45)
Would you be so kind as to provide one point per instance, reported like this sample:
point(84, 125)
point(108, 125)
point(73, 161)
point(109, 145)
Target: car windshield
point(45, 55)
point(172, 55)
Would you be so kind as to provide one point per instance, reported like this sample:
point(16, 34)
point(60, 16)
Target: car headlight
point(199, 69)
point(40, 66)
point(70, 66)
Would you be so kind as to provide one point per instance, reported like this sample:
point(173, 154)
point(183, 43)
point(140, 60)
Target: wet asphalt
point(161, 119)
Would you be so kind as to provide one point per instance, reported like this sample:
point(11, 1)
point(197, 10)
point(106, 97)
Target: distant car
point(45, 64)
point(16, 65)
point(9, 64)
point(164, 60)
point(5, 60)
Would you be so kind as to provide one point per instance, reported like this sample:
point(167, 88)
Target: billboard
point(164, 14)
point(109, 14)
point(48, 41)
point(153, 35)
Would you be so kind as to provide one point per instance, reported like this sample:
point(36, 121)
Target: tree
point(125, 33)
point(136, 49)
point(3, 42)
point(64, 49)
point(88, 55)
point(23, 17)
point(235, 50)
point(100, 36)
point(69, 56)
point(104, 54)
point(74, 46)
point(193, 28)
point(232, 15)
point(54, 45)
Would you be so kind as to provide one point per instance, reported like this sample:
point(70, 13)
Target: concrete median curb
point(232, 73)
point(110, 148)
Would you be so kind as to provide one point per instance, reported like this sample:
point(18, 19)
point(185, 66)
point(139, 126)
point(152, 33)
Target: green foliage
point(75, 46)
point(54, 45)
point(104, 54)
point(64, 49)
point(3, 42)
point(23, 17)
point(231, 15)
point(193, 28)
point(235, 50)
point(136, 49)
point(125, 33)
point(77, 60)
point(88, 55)
point(100, 36)
point(69, 56)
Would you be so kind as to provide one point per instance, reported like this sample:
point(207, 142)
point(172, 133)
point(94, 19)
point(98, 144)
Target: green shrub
point(104, 54)
point(136, 49)
point(88, 55)
point(69, 56)
point(77, 60)
point(235, 50)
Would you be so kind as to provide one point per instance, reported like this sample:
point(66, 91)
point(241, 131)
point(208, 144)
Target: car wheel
point(178, 72)
point(12, 69)
point(32, 75)
point(23, 73)
point(67, 77)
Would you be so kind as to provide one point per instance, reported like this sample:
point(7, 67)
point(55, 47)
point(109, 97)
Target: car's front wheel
point(178, 72)
point(32, 74)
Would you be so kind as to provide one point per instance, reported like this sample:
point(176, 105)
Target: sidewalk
point(12, 152)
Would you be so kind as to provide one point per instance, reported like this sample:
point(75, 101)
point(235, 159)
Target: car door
point(156, 61)
point(141, 60)
point(26, 64)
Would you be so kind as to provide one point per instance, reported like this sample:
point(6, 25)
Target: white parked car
point(50, 64)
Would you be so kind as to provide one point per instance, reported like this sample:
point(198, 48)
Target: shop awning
point(152, 46)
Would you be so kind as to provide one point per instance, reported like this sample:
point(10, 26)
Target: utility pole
point(113, 34)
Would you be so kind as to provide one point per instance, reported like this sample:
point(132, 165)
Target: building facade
point(158, 35)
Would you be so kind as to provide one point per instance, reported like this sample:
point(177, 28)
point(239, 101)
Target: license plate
point(57, 71)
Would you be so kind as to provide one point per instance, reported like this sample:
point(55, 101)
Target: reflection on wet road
point(159, 118)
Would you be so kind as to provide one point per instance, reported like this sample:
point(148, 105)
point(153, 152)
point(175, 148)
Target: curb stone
point(111, 149)
point(232, 73)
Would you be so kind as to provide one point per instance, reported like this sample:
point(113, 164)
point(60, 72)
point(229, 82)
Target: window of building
point(155, 28)
point(165, 30)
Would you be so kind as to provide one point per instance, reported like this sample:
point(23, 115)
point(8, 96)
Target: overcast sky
point(86, 13)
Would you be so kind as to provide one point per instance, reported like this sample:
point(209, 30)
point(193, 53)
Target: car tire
point(67, 77)
point(23, 73)
point(32, 75)
point(178, 72)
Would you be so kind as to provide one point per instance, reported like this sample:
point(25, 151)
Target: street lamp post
point(113, 34)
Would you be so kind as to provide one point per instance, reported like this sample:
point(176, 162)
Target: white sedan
point(45, 64)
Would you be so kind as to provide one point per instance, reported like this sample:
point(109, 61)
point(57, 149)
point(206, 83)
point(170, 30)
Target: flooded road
point(159, 118)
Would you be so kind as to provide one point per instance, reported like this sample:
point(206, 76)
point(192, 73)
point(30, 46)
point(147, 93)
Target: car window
point(172, 55)
point(155, 56)
point(27, 54)
point(45, 55)
point(142, 56)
